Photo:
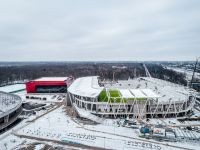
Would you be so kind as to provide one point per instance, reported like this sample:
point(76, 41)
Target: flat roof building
point(49, 85)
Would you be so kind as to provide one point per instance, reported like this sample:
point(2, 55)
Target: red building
point(49, 85)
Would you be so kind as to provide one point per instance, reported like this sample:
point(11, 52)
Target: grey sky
point(67, 30)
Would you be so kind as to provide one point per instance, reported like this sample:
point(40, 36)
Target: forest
point(12, 72)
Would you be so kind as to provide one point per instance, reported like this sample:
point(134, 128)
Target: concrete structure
point(49, 85)
point(10, 109)
point(143, 97)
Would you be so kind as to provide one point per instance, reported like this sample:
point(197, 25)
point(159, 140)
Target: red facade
point(31, 85)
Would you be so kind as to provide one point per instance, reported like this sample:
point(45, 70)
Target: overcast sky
point(96, 30)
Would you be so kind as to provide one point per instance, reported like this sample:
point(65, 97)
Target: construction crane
point(146, 71)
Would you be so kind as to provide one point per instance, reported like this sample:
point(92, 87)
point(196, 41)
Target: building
point(10, 109)
point(49, 85)
point(143, 97)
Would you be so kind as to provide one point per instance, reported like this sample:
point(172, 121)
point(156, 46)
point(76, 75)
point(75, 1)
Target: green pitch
point(115, 96)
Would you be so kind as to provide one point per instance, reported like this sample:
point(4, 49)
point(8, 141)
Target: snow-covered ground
point(9, 141)
point(60, 127)
point(44, 97)
point(12, 88)
point(188, 73)
point(13, 142)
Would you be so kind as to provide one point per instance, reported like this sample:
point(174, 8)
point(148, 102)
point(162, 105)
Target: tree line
point(116, 71)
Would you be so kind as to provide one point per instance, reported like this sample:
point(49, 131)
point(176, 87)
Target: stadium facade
point(143, 97)
point(49, 85)
point(10, 109)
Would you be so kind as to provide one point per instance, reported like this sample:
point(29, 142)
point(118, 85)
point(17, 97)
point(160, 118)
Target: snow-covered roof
point(149, 93)
point(52, 79)
point(86, 86)
point(126, 93)
point(143, 87)
point(8, 102)
point(138, 93)
point(165, 91)
point(12, 88)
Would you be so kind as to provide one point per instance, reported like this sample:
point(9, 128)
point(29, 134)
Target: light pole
point(117, 70)
point(114, 76)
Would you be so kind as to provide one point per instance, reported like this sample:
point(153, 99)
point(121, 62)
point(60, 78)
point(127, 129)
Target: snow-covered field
point(186, 72)
point(59, 127)
point(48, 98)
point(13, 142)
point(12, 88)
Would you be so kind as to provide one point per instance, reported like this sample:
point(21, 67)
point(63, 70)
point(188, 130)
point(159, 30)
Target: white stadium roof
point(138, 93)
point(8, 102)
point(86, 86)
point(143, 87)
point(126, 93)
point(152, 88)
point(149, 93)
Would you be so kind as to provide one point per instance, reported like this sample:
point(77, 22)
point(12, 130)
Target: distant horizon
point(95, 61)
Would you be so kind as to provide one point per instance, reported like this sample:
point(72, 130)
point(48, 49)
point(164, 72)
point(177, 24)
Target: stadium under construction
point(10, 109)
point(143, 97)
